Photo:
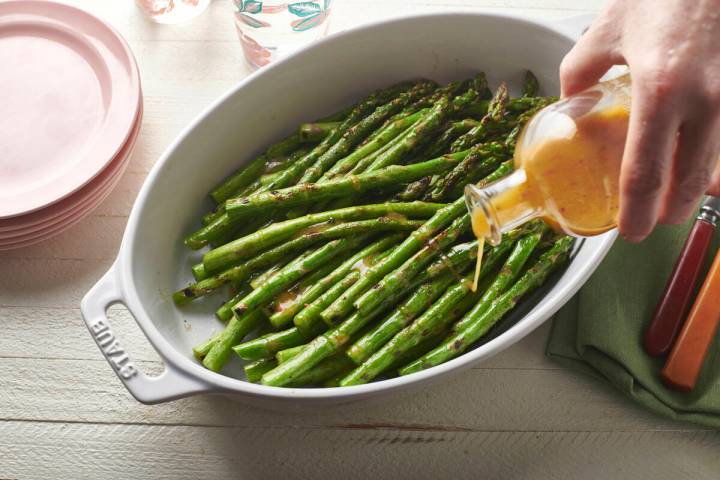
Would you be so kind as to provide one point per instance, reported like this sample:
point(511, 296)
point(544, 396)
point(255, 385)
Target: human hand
point(673, 145)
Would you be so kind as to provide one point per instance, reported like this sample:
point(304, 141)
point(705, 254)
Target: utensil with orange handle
point(683, 366)
point(675, 299)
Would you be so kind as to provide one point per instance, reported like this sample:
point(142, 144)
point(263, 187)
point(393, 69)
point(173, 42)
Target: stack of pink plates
point(71, 113)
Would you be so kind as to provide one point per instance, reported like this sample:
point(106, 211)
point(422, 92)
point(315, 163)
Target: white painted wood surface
point(63, 413)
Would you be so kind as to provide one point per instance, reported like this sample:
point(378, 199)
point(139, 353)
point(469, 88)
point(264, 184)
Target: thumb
point(590, 58)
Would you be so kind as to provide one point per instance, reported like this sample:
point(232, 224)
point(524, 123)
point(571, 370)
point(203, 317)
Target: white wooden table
point(64, 414)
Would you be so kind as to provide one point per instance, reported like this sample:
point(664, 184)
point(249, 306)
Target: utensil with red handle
point(675, 299)
point(685, 361)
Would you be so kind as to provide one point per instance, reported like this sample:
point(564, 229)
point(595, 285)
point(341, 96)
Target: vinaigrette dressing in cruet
point(567, 168)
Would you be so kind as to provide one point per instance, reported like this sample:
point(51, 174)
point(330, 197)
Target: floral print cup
point(271, 29)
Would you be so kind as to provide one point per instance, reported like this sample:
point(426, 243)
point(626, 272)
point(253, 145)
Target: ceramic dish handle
point(169, 385)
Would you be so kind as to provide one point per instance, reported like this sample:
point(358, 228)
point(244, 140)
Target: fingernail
point(634, 238)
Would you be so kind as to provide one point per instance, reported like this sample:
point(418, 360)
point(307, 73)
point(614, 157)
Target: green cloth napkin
point(600, 330)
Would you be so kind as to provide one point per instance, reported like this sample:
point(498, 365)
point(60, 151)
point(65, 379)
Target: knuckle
point(661, 78)
point(701, 98)
point(644, 182)
point(709, 95)
point(688, 189)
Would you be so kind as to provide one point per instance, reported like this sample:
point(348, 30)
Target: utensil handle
point(169, 385)
point(683, 366)
point(675, 299)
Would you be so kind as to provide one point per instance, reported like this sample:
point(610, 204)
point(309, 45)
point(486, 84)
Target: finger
point(692, 168)
point(592, 56)
point(648, 153)
point(714, 188)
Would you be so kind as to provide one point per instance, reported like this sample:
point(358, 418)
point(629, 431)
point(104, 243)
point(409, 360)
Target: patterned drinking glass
point(172, 11)
point(271, 29)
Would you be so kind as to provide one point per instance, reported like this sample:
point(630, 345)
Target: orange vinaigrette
point(567, 168)
point(478, 263)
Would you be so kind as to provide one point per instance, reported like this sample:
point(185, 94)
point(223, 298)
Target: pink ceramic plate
point(59, 210)
point(71, 220)
point(99, 193)
point(43, 235)
point(71, 93)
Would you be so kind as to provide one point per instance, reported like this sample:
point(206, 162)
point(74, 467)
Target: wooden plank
point(64, 335)
point(22, 326)
point(480, 399)
point(70, 450)
point(101, 234)
point(49, 282)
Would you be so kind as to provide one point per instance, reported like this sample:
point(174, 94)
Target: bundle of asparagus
point(347, 246)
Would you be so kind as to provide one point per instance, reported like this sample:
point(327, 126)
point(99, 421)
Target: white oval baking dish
point(152, 261)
